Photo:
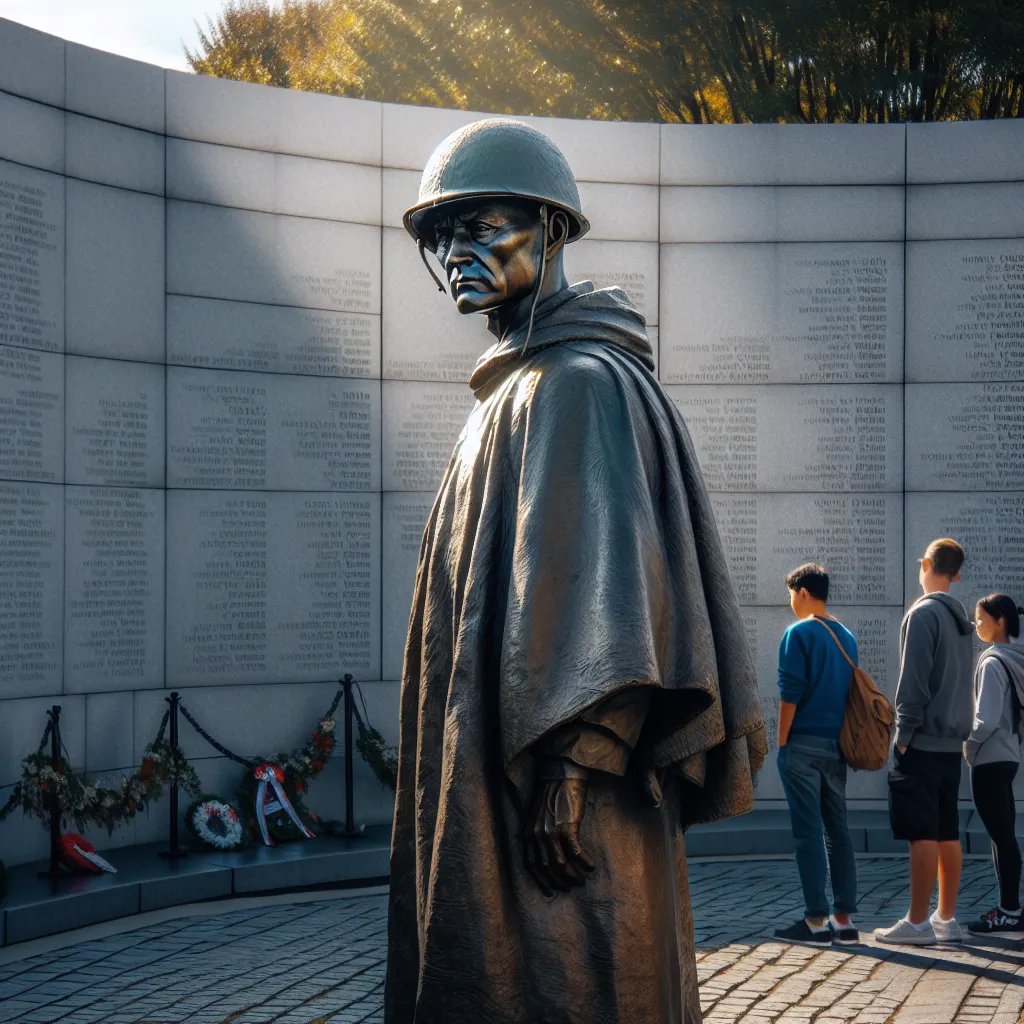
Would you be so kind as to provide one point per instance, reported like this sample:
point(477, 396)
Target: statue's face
point(489, 253)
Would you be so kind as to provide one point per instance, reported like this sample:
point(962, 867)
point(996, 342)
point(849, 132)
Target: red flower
point(318, 766)
point(146, 770)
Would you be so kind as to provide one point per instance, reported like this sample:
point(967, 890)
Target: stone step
point(35, 907)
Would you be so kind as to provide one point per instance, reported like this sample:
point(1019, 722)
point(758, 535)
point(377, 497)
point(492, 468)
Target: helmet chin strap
point(426, 263)
point(541, 271)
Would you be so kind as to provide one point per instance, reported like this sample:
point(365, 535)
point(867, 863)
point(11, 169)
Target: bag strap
point(819, 619)
point(1009, 682)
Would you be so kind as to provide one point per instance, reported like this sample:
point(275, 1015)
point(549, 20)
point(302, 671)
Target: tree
point(808, 61)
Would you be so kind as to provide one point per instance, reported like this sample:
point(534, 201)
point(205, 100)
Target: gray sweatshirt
point(995, 735)
point(934, 701)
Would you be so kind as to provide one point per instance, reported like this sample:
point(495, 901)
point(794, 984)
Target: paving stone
point(323, 962)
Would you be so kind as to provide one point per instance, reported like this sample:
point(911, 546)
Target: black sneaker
point(996, 920)
point(802, 933)
point(844, 934)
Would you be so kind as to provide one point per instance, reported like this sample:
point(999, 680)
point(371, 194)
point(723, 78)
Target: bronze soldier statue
point(577, 689)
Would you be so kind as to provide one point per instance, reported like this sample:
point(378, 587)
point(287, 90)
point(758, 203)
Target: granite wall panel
point(802, 213)
point(231, 113)
point(965, 151)
point(31, 591)
point(113, 589)
point(422, 422)
point(31, 133)
point(825, 313)
point(270, 587)
point(258, 257)
point(857, 537)
point(277, 432)
point(112, 154)
point(965, 437)
point(115, 272)
point(31, 63)
point(765, 154)
point(114, 88)
point(989, 210)
point(31, 415)
point(115, 418)
point(965, 310)
point(796, 438)
point(110, 732)
point(273, 182)
point(224, 335)
point(32, 239)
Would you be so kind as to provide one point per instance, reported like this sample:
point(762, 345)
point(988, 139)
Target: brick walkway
point(322, 962)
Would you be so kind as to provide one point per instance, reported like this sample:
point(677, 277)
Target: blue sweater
point(814, 675)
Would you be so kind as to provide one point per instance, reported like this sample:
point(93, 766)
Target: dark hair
point(811, 577)
point(946, 556)
point(1000, 606)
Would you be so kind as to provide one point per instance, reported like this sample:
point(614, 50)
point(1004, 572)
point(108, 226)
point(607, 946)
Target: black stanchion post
point(54, 869)
point(173, 850)
point(350, 825)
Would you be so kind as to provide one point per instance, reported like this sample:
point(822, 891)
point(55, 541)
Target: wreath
point(216, 824)
point(86, 804)
point(295, 772)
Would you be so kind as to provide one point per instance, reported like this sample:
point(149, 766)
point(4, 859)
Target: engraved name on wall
point(31, 258)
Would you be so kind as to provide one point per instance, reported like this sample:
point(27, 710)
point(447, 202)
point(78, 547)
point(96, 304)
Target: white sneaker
point(946, 931)
point(903, 933)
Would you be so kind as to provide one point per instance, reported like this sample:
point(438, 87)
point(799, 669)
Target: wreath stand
point(53, 728)
point(174, 850)
point(350, 831)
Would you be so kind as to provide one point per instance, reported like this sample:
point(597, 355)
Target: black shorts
point(923, 789)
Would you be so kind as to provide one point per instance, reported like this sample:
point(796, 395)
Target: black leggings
point(992, 788)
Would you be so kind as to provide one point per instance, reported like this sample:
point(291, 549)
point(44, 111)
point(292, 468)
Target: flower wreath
point(299, 768)
point(216, 824)
point(87, 804)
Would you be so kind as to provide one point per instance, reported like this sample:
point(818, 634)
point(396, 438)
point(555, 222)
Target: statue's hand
point(553, 853)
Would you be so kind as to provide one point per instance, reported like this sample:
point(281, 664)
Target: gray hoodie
point(934, 705)
point(995, 735)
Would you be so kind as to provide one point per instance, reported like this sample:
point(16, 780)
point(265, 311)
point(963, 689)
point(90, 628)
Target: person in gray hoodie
point(934, 713)
point(993, 752)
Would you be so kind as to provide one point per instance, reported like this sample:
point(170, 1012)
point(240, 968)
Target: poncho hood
point(580, 312)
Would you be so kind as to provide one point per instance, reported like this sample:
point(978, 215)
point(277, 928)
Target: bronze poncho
point(571, 555)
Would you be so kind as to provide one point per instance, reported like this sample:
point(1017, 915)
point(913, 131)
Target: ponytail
point(1000, 606)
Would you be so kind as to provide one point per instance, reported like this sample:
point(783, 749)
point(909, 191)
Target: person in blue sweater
point(814, 679)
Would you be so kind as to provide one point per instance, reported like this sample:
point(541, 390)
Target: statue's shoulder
point(578, 364)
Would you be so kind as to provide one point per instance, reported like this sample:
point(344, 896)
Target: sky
point(149, 30)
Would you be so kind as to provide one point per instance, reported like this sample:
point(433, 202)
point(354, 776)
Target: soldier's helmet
point(495, 159)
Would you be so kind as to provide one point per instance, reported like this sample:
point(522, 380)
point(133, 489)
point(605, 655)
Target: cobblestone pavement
point(322, 962)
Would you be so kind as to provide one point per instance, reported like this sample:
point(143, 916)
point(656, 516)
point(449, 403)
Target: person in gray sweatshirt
point(993, 752)
point(934, 713)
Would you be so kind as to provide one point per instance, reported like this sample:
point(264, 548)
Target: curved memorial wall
point(228, 388)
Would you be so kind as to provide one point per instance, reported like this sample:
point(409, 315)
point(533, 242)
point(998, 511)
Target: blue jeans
point(814, 778)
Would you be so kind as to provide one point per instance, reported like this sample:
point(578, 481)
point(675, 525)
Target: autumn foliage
point(646, 60)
